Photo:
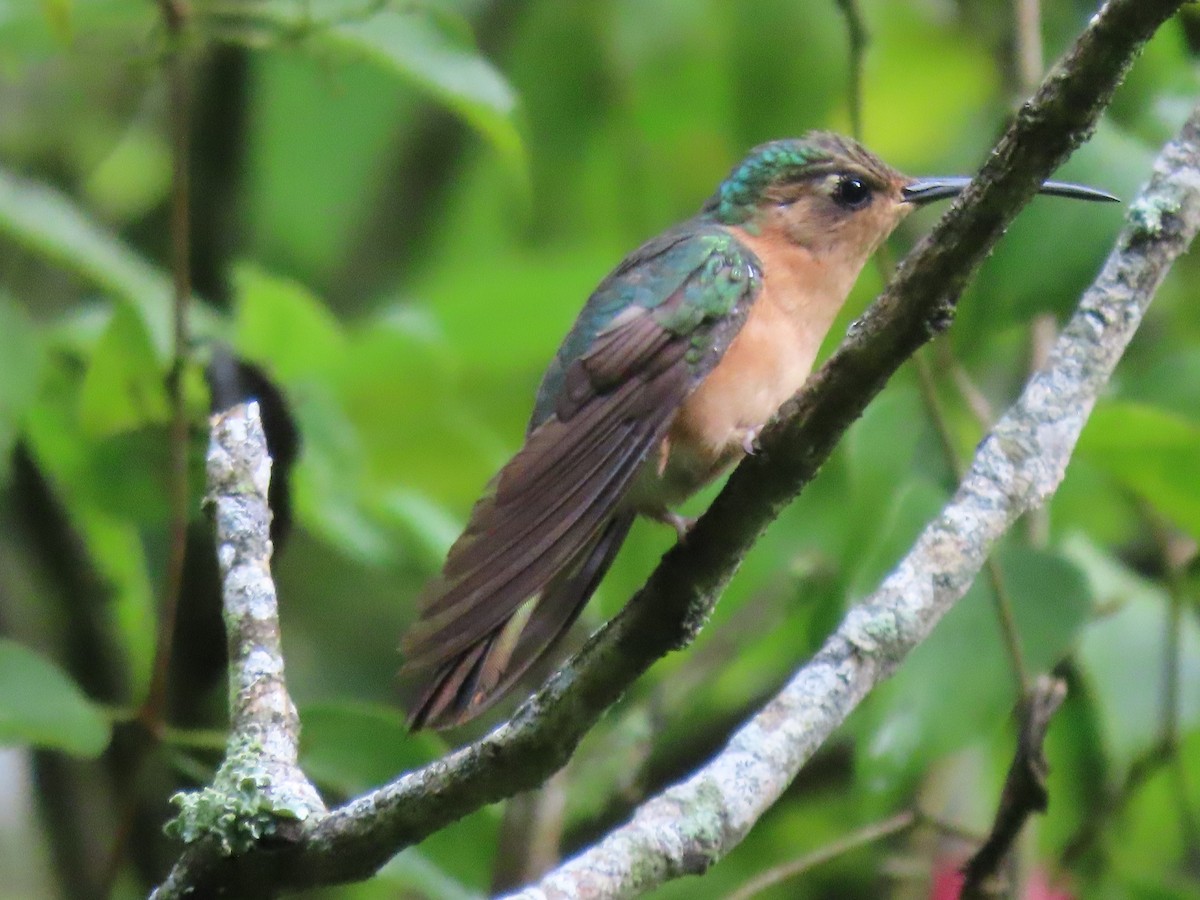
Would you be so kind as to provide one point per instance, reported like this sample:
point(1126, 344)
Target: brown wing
point(548, 527)
point(540, 540)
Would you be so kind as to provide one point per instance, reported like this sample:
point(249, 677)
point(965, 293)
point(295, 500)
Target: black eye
point(851, 192)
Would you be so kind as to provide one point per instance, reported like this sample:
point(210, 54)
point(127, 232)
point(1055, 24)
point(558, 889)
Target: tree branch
point(259, 791)
point(1017, 467)
point(351, 842)
point(1024, 792)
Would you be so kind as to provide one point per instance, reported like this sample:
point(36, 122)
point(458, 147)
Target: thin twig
point(1113, 801)
point(1024, 791)
point(1028, 34)
point(868, 834)
point(531, 831)
point(933, 408)
point(153, 710)
point(1008, 627)
point(858, 38)
point(151, 715)
point(976, 401)
point(1174, 560)
point(1177, 553)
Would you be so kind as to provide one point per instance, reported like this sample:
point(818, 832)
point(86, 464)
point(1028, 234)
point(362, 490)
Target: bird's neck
point(808, 285)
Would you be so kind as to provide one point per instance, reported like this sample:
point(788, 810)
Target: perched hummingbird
point(677, 361)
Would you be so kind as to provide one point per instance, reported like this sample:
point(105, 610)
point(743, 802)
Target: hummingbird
point(679, 358)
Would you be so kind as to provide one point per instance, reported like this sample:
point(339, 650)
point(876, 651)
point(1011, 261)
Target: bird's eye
point(851, 192)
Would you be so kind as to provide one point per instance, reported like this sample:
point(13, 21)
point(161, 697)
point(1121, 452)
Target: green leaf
point(1027, 274)
point(1171, 382)
point(42, 707)
point(328, 482)
point(48, 223)
point(21, 361)
point(430, 524)
point(1153, 453)
point(399, 386)
point(115, 546)
point(282, 324)
point(124, 387)
point(58, 17)
point(415, 47)
point(82, 475)
point(353, 746)
point(959, 683)
point(350, 747)
point(429, 48)
point(887, 500)
point(33, 29)
point(1122, 655)
point(414, 873)
point(1153, 837)
point(134, 176)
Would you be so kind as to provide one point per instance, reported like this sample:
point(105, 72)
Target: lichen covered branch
point(259, 791)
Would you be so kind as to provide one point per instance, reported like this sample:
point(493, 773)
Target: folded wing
point(541, 538)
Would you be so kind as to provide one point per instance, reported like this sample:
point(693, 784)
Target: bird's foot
point(681, 524)
point(750, 439)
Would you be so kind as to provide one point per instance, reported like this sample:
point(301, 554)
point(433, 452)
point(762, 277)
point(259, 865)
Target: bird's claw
point(750, 440)
point(681, 524)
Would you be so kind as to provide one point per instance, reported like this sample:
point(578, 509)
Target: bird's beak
point(926, 190)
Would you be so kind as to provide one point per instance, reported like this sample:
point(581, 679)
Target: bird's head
point(829, 194)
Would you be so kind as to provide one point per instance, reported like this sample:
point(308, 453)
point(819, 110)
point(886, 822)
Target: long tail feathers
point(465, 685)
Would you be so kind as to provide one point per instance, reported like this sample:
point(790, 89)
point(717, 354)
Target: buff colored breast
point(764, 366)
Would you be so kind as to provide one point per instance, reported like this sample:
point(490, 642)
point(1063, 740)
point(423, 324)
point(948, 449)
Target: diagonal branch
point(1017, 467)
point(353, 841)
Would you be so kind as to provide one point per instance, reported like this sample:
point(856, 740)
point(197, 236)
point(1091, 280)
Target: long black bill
point(926, 190)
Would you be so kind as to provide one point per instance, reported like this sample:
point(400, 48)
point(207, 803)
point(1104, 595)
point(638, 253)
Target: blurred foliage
point(398, 208)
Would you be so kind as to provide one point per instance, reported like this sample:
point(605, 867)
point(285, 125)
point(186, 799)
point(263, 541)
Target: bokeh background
point(397, 210)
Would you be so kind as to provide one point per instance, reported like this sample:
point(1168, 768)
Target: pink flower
point(948, 883)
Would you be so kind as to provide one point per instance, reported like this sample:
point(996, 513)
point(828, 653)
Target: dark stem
point(152, 713)
point(1024, 789)
point(1177, 553)
point(858, 38)
point(153, 709)
point(1028, 42)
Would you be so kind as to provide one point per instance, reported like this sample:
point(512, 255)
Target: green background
point(398, 210)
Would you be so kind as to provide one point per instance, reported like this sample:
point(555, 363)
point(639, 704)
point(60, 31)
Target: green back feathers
point(691, 277)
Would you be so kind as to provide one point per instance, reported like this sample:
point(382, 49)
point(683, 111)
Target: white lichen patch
point(1146, 214)
point(242, 806)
